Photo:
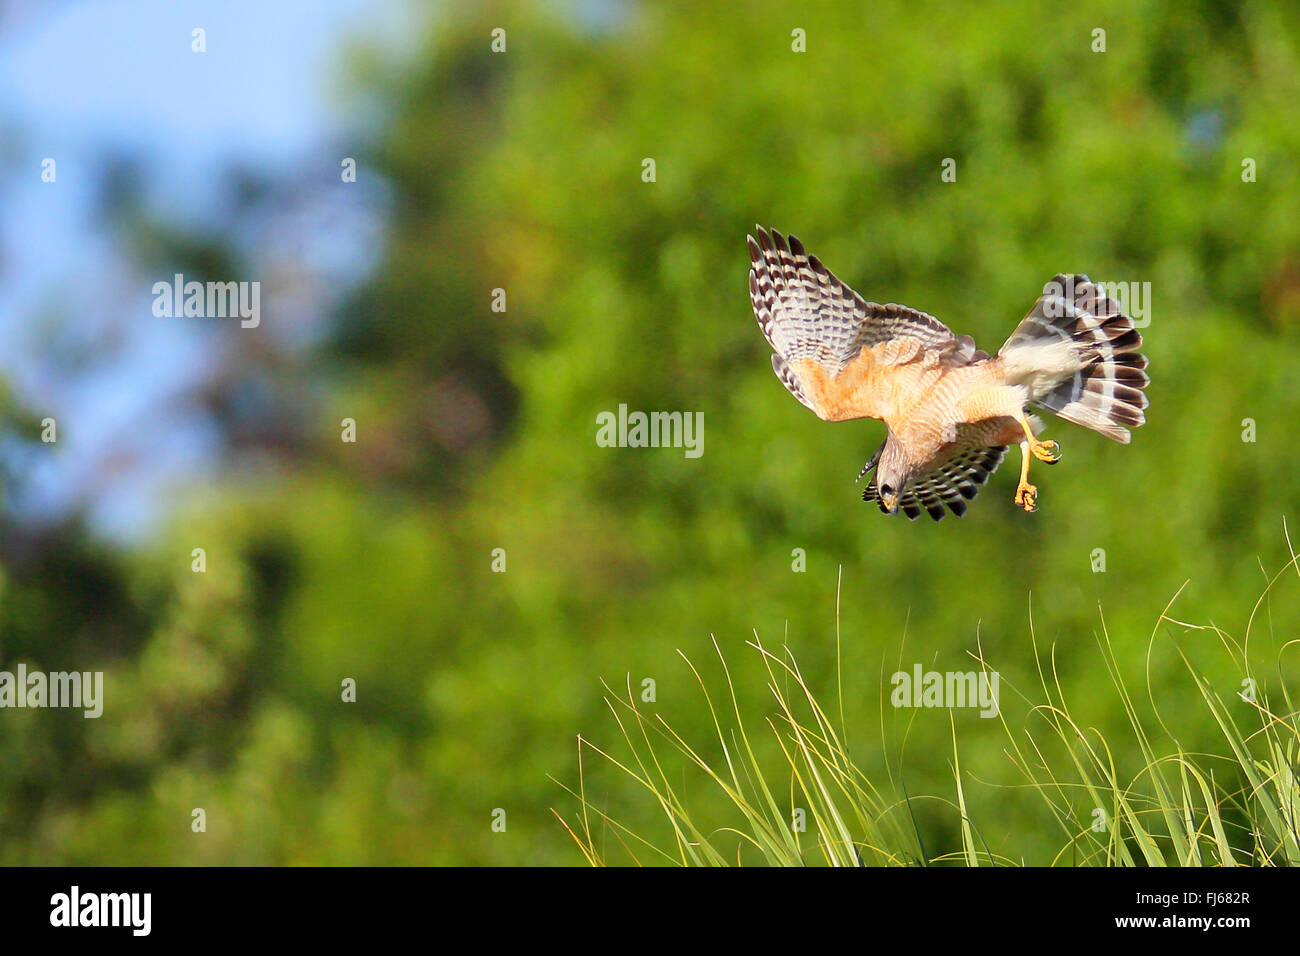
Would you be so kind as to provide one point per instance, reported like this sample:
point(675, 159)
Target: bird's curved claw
point(1048, 452)
point(1027, 497)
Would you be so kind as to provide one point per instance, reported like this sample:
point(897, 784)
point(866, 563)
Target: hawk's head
point(893, 474)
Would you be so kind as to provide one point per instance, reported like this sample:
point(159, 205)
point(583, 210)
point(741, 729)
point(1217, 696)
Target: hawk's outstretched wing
point(833, 348)
point(953, 483)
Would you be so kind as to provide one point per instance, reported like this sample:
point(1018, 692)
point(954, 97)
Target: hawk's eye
point(886, 490)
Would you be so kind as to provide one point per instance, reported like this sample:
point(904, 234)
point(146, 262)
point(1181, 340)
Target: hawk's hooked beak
point(889, 501)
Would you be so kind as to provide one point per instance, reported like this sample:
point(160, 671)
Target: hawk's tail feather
point(1076, 328)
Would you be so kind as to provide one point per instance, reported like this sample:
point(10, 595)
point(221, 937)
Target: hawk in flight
point(951, 409)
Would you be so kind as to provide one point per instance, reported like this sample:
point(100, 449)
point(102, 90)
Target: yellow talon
point(1046, 451)
point(1027, 497)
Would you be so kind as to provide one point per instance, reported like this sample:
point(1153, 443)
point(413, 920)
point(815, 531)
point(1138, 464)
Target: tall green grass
point(1237, 805)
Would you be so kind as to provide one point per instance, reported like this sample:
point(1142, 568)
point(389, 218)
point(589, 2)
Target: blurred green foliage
point(476, 430)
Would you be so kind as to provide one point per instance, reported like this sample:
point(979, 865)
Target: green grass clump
point(794, 796)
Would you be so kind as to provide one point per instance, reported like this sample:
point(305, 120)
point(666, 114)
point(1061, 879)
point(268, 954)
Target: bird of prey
point(951, 409)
